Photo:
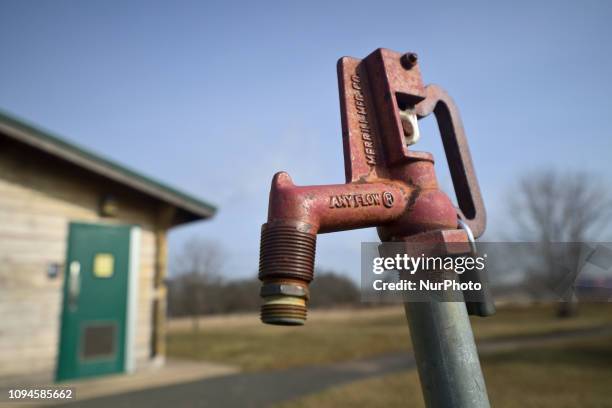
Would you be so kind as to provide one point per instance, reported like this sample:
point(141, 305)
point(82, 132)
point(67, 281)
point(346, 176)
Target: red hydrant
point(387, 186)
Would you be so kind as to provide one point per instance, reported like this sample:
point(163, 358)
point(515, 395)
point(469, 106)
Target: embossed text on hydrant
point(364, 124)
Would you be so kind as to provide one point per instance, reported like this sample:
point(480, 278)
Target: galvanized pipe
point(446, 355)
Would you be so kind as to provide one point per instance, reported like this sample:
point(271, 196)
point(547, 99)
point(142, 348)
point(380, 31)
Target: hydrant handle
point(465, 183)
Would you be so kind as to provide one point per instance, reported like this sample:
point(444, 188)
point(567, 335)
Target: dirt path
point(265, 388)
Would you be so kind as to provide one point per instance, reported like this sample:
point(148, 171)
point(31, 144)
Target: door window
point(103, 265)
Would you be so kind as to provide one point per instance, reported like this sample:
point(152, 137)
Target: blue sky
point(214, 98)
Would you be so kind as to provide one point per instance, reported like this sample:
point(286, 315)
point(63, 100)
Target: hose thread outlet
point(286, 265)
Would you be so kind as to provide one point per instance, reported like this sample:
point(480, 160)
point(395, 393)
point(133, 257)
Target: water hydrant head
point(387, 185)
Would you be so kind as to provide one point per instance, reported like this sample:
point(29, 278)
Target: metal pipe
point(446, 355)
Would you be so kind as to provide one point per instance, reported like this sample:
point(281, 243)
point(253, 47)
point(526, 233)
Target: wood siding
point(39, 197)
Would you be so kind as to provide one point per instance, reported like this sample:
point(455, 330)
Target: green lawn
point(350, 335)
point(576, 374)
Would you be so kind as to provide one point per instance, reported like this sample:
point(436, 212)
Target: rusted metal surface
point(387, 185)
point(458, 156)
point(436, 243)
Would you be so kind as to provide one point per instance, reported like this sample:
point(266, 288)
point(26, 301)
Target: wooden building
point(82, 259)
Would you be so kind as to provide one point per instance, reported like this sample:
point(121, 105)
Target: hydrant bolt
point(409, 60)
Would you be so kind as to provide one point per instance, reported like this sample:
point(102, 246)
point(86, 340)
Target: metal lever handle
point(458, 156)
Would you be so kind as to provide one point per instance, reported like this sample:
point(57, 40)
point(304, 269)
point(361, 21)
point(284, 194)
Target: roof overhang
point(55, 146)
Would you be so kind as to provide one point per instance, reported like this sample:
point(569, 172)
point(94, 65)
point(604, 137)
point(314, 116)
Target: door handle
point(74, 284)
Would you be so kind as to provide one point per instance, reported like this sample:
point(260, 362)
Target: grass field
point(340, 336)
point(255, 346)
point(576, 374)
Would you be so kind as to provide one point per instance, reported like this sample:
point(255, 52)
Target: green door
point(92, 339)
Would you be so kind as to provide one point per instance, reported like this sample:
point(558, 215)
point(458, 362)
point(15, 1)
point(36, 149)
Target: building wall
point(39, 197)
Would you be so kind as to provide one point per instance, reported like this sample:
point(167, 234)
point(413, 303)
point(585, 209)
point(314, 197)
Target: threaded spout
point(286, 265)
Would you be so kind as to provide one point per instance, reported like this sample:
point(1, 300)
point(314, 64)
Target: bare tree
point(197, 267)
point(201, 257)
point(554, 207)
